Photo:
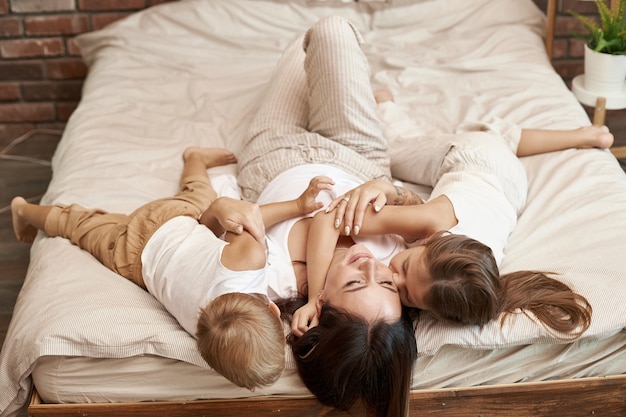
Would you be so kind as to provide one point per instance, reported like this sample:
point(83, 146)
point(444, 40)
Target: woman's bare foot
point(596, 137)
point(211, 157)
point(382, 96)
point(24, 231)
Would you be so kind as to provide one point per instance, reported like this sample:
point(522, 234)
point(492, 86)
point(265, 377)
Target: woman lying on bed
point(313, 122)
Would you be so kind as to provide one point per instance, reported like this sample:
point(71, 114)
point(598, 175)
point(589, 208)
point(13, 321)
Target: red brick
point(568, 25)
point(56, 25)
point(21, 70)
point(10, 27)
point(65, 110)
point(66, 68)
point(559, 48)
point(52, 91)
point(10, 131)
point(54, 125)
point(71, 47)
point(9, 91)
point(102, 5)
point(37, 6)
point(583, 7)
point(4, 6)
point(151, 3)
point(22, 48)
point(576, 48)
point(100, 20)
point(27, 112)
point(568, 69)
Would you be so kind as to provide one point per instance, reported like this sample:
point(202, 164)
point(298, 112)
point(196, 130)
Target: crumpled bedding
point(192, 72)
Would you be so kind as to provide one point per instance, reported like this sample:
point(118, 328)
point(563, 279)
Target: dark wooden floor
point(30, 179)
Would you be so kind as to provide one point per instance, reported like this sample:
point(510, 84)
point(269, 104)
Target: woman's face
point(360, 284)
point(411, 276)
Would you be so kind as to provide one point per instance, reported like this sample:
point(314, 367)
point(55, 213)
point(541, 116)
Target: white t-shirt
point(289, 185)
point(475, 168)
point(182, 269)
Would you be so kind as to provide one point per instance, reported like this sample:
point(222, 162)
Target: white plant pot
point(604, 73)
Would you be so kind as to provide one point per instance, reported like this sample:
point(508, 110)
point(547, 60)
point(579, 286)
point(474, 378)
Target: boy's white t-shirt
point(182, 269)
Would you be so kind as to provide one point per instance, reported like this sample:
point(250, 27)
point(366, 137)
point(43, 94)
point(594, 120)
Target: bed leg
point(599, 113)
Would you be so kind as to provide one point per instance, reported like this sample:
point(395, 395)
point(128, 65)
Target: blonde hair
point(240, 337)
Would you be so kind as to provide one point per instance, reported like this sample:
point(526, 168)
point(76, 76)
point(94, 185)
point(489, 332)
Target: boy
point(215, 288)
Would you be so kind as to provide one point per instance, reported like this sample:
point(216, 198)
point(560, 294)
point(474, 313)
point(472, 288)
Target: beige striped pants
point(319, 108)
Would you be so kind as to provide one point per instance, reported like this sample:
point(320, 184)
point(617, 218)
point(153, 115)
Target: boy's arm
point(321, 244)
point(273, 213)
point(306, 203)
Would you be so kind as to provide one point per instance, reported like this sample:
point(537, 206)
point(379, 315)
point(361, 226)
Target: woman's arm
point(229, 214)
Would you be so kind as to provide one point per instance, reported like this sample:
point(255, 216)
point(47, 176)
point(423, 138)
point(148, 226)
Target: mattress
point(192, 73)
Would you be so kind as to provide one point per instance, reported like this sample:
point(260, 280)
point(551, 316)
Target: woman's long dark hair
point(345, 358)
point(467, 288)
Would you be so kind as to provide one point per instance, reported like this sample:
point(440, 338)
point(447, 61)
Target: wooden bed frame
point(580, 397)
point(584, 397)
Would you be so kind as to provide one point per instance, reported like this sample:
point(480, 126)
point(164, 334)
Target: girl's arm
point(321, 244)
point(411, 222)
point(375, 193)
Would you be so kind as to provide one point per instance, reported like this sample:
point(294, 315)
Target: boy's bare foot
point(211, 157)
point(24, 231)
point(596, 137)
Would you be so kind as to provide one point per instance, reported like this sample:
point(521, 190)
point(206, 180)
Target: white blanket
point(192, 72)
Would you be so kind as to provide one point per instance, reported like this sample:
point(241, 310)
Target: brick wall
point(41, 71)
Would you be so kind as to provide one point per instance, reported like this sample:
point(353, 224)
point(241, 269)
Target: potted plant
point(605, 48)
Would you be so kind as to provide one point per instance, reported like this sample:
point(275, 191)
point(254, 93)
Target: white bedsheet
point(191, 73)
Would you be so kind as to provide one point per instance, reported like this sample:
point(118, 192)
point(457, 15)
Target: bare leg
point(537, 141)
point(198, 160)
point(27, 219)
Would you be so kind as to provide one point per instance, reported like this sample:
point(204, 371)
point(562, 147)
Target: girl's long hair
point(345, 359)
point(467, 288)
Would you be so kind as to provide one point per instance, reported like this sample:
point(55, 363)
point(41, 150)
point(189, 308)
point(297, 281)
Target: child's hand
point(306, 202)
point(304, 318)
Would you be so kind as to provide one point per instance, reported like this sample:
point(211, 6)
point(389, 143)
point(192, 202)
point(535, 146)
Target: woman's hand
point(304, 318)
point(306, 202)
point(350, 207)
point(235, 216)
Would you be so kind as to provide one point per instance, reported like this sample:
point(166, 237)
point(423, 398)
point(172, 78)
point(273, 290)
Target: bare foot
point(596, 137)
point(211, 157)
point(24, 231)
point(383, 95)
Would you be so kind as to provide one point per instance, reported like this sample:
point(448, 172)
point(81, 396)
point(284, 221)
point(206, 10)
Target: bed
point(84, 341)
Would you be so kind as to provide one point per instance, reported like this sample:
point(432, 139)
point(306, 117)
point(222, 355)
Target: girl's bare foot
point(596, 137)
point(211, 157)
point(24, 231)
point(382, 96)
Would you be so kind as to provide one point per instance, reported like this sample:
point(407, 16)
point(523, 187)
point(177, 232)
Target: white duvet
point(192, 72)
